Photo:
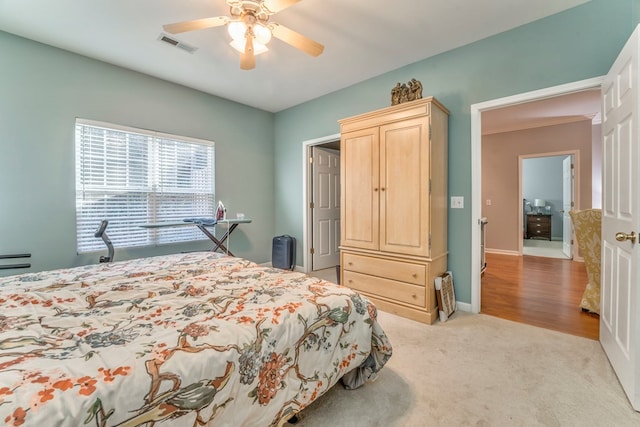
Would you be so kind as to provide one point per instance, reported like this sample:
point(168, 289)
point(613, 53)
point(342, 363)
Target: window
point(133, 177)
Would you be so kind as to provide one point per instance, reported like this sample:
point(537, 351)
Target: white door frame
point(476, 163)
point(569, 177)
point(576, 184)
point(307, 238)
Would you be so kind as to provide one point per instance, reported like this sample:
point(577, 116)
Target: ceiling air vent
point(177, 43)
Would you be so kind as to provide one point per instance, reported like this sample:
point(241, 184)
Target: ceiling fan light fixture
point(237, 30)
point(239, 45)
point(262, 34)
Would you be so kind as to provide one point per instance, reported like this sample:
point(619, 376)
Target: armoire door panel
point(360, 210)
point(404, 180)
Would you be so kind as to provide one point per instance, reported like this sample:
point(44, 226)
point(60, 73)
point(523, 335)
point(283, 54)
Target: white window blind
point(133, 177)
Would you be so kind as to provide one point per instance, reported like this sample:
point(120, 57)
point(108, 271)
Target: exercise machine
point(101, 232)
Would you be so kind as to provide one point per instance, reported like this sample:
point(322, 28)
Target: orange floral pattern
point(270, 378)
point(17, 417)
point(143, 341)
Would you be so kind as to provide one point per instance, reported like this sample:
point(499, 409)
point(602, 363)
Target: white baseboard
point(463, 306)
point(501, 252)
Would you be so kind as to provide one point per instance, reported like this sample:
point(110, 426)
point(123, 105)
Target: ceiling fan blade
point(248, 58)
point(278, 5)
point(295, 39)
point(196, 24)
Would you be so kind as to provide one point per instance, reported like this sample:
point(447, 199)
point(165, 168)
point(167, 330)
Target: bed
point(183, 340)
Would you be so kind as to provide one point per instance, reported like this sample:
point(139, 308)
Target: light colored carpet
point(478, 370)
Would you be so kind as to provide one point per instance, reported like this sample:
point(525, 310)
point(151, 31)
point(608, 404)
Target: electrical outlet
point(488, 202)
point(457, 202)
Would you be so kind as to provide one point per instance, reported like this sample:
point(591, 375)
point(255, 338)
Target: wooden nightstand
point(539, 227)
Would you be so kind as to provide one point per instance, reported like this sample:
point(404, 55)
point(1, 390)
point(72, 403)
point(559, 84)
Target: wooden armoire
point(394, 206)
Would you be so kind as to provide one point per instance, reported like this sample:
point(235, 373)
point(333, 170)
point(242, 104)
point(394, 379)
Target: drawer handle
point(350, 263)
point(375, 189)
point(350, 281)
point(414, 296)
point(415, 276)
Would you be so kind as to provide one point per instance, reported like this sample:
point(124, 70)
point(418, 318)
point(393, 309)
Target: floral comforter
point(181, 340)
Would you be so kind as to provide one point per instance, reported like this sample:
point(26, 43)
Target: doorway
point(321, 213)
point(547, 188)
point(476, 167)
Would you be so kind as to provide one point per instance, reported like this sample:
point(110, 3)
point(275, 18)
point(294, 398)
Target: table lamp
point(539, 203)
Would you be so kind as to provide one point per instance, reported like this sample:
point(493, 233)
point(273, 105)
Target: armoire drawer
point(385, 268)
point(387, 288)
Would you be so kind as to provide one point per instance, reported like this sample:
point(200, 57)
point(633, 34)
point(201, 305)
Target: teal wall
point(43, 90)
point(574, 45)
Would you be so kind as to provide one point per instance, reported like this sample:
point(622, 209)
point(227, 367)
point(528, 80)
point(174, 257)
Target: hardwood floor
point(538, 291)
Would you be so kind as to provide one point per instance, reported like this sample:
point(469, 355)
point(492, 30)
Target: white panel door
point(567, 204)
point(326, 208)
point(620, 219)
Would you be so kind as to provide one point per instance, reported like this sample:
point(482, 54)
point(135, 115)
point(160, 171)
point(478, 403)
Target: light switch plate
point(457, 202)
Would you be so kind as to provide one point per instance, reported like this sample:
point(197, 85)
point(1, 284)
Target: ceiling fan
point(251, 30)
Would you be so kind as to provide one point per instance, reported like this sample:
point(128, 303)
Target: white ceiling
point(362, 38)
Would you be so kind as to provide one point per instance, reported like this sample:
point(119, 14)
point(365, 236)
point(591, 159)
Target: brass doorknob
point(621, 237)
